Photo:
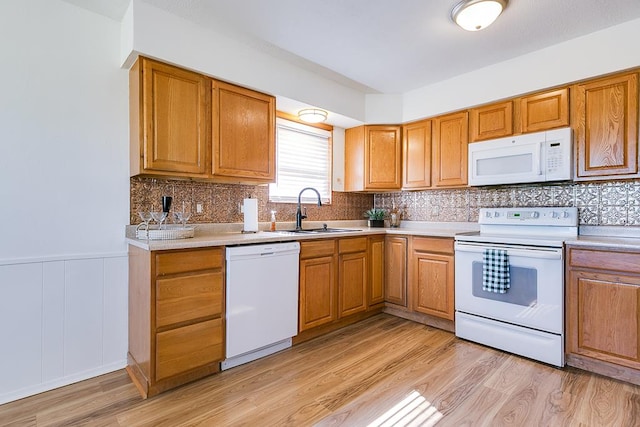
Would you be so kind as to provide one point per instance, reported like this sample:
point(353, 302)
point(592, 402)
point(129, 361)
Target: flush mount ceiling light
point(474, 15)
point(312, 115)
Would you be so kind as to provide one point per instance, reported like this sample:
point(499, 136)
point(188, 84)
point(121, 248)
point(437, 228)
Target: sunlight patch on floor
point(412, 410)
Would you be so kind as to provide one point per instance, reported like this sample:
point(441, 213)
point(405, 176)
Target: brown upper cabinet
point(531, 113)
point(606, 127)
point(450, 148)
point(543, 111)
point(169, 120)
point(373, 158)
point(416, 155)
point(243, 134)
point(187, 125)
point(491, 121)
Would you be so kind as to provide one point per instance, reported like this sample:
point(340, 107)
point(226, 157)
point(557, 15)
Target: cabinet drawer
point(181, 299)
point(627, 262)
point(192, 260)
point(433, 244)
point(358, 244)
point(317, 248)
point(181, 349)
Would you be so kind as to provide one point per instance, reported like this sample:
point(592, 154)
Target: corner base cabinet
point(603, 311)
point(176, 316)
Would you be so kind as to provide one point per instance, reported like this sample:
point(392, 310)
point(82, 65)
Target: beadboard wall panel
point(61, 321)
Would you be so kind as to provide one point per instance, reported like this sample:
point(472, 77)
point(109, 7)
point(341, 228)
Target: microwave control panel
point(557, 156)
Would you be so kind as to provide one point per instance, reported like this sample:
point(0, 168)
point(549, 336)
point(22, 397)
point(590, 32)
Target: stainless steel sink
point(330, 230)
point(316, 231)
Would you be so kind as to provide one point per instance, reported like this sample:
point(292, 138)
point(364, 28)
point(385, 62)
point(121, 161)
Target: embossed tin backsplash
point(598, 203)
point(220, 201)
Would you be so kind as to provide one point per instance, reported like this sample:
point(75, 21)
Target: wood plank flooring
point(384, 371)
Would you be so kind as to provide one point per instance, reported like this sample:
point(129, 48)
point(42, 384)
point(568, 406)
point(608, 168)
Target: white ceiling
point(383, 46)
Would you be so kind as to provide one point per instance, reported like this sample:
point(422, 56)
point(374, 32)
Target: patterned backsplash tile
point(598, 203)
point(220, 202)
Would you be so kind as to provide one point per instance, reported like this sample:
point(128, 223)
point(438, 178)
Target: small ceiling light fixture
point(475, 15)
point(312, 115)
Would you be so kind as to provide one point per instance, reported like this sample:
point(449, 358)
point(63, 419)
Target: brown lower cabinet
point(376, 259)
point(395, 290)
point(176, 316)
point(339, 283)
point(603, 311)
point(419, 280)
point(318, 305)
point(432, 270)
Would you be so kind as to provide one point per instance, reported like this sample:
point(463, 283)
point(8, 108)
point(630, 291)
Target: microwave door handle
point(538, 154)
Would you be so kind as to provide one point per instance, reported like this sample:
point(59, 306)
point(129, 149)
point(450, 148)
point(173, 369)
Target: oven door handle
point(529, 252)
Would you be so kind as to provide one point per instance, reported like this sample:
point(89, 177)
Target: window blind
point(303, 160)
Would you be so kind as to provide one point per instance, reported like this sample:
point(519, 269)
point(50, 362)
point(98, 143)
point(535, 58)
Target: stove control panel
point(543, 216)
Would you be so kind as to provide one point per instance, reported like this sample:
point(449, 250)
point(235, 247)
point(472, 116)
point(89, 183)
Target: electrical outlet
point(199, 208)
point(240, 208)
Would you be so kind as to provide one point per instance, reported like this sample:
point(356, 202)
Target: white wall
point(159, 34)
point(150, 31)
point(64, 186)
point(64, 196)
point(602, 52)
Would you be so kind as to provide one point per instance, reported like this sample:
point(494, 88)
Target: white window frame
point(296, 180)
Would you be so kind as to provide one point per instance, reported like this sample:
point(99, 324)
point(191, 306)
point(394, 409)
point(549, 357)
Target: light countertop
point(231, 234)
point(624, 237)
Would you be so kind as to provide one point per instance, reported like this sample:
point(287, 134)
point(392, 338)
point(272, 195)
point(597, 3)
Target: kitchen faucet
point(299, 215)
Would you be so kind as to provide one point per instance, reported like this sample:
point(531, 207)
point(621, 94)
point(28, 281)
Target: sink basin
point(316, 231)
point(330, 230)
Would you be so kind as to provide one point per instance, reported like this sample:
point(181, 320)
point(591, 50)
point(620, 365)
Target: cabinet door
point(416, 155)
point(317, 292)
point(175, 119)
point(375, 294)
point(352, 283)
point(607, 128)
point(450, 140)
point(491, 121)
point(545, 111)
point(395, 283)
point(243, 134)
point(603, 317)
point(432, 278)
point(382, 155)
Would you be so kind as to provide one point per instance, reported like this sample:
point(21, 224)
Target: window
point(303, 160)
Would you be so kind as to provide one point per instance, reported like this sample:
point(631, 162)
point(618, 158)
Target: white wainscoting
point(62, 320)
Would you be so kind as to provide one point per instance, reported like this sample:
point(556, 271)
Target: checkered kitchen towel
point(495, 271)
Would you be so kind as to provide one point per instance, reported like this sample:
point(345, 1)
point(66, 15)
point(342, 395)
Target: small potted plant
point(376, 217)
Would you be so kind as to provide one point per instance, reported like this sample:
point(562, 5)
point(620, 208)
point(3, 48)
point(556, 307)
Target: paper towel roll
point(250, 209)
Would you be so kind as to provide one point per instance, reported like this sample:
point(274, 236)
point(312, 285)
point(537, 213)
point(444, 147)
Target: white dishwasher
point(262, 300)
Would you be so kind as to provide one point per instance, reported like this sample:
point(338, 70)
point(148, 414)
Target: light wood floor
point(382, 371)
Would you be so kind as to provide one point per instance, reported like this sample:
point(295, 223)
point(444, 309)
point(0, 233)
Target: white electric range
point(528, 318)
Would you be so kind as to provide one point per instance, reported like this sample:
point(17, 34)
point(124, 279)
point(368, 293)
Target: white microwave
point(534, 157)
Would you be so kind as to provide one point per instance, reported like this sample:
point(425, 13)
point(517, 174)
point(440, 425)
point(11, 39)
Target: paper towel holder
point(250, 211)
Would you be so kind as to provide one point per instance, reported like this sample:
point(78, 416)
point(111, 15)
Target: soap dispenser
point(273, 220)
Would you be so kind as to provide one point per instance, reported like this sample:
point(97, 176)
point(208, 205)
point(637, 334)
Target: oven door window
point(523, 288)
